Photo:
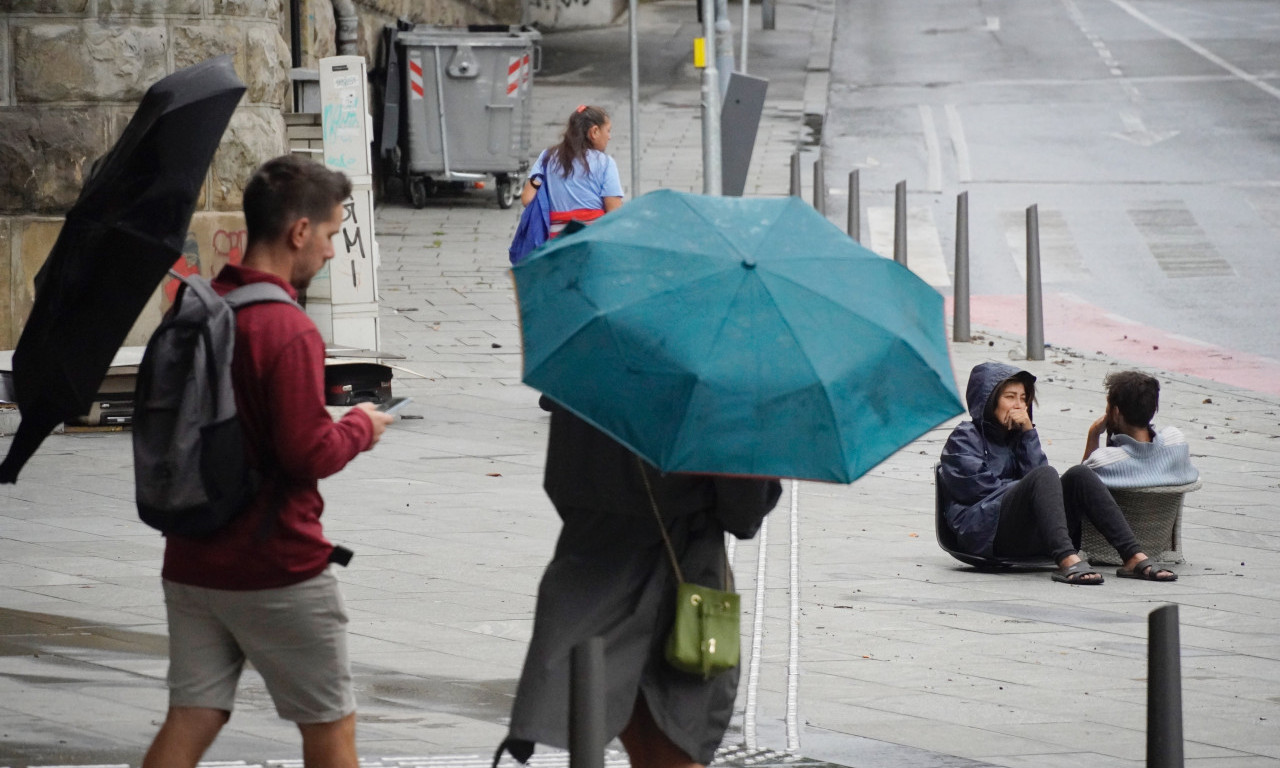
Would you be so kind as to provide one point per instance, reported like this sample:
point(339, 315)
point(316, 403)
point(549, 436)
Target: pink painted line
point(1072, 322)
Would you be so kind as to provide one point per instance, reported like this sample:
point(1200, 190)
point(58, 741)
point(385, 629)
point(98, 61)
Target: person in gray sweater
point(1135, 454)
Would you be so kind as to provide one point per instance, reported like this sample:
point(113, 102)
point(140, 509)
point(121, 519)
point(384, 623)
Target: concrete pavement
point(905, 657)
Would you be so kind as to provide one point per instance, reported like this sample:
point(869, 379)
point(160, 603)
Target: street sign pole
point(710, 104)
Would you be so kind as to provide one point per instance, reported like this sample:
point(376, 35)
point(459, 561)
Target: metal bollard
point(900, 223)
point(960, 310)
point(795, 174)
point(1035, 300)
point(587, 704)
point(819, 188)
point(854, 224)
point(1164, 690)
point(767, 14)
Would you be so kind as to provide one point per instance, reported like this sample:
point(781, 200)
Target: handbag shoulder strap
point(666, 539)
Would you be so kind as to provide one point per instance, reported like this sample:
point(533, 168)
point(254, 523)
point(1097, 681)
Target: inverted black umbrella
point(120, 238)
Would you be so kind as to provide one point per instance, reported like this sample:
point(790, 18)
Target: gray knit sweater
point(1127, 463)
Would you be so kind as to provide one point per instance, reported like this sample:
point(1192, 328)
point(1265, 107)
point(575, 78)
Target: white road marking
point(964, 168)
point(793, 639)
point(757, 641)
point(932, 149)
point(1197, 48)
point(1059, 259)
point(924, 248)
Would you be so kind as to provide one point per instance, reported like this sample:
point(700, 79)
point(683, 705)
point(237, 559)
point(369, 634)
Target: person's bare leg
point(330, 745)
point(186, 734)
point(647, 745)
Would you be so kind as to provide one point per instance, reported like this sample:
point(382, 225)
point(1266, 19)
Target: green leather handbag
point(705, 636)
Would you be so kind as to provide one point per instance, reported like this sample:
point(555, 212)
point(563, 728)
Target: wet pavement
point(902, 657)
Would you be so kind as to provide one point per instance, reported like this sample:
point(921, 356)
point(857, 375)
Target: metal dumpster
point(466, 106)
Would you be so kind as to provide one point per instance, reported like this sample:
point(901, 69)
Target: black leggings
point(1043, 513)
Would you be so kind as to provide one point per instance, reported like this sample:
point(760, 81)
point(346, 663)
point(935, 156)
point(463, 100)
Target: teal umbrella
point(740, 336)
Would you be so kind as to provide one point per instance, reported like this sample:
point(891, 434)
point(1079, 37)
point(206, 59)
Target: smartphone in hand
point(394, 404)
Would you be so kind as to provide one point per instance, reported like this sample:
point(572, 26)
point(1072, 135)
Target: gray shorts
point(295, 637)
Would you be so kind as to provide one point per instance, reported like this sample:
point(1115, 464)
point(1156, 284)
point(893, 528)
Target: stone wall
point(71, 74)
point(73, 71)
point(375, 14)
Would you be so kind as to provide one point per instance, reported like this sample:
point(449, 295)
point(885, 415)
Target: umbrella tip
point(748, 263)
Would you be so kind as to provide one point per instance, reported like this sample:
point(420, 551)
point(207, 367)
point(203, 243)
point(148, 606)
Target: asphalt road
point(1146, 132)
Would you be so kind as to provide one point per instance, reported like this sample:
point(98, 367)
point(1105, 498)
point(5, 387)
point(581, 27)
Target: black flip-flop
point(1145, 570)
point(1074, 574)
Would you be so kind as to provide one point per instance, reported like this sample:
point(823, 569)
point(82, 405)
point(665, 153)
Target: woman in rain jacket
point(611, 577)
point(1004, 499)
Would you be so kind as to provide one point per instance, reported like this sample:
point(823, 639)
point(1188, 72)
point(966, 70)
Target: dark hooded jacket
point(982, 460)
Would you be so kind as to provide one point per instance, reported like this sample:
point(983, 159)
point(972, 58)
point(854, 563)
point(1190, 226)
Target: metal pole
point(960, 310)
point(746, 27)
point(819, 188)
point(900, 223)
point(854, 224)
point(710, 105)
point(1035, 301)
point(767, 14)
point(724, 45)
point(1164, 690)
point(587, 704)
point(795, 174)
point(635, 103)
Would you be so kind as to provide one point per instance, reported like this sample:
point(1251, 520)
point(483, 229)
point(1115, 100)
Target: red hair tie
point(580, 108)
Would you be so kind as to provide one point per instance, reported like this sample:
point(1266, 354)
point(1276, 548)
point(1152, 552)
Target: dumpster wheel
point(419, 188)
point(508, 190)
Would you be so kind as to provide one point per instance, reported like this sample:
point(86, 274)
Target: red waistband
point(580, 214)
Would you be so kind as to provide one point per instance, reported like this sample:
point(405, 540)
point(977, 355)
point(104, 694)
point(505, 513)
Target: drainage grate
point(1176, 241)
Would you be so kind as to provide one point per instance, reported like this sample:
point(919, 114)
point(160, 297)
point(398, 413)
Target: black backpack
point(190, 470)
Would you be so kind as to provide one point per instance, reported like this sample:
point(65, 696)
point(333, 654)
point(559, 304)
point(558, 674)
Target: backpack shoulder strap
point(258, 293)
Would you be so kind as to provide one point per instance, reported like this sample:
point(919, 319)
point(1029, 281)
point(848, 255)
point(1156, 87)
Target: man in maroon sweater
point(260, 588)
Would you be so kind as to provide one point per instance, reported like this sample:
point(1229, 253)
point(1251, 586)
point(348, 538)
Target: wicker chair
point(1154, 514)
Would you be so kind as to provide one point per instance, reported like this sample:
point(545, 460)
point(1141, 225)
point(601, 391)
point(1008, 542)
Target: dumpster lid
point(475, 34)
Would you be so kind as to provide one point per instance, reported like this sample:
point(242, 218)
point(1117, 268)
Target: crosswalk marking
point(924, 248)
point(1059, 260)
point(1177, 243)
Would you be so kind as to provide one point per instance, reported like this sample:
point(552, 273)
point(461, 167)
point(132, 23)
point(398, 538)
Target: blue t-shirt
point(580, 190)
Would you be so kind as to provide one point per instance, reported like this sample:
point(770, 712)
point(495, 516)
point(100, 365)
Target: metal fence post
point(635, 98)
point(795, 174)
point(1164, 690)
point(767, 16)
point(854, 224)
point(819, 188)
point(900, 223)
point(1035, 300)
point(587, 704)
point(960, 310)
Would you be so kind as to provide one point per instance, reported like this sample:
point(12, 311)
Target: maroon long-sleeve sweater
point(278, 374)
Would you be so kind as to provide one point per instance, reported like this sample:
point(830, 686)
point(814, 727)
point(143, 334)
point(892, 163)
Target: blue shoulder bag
point(535, 223)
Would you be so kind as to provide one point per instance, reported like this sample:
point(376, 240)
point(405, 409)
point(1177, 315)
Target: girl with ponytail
point(582, 181)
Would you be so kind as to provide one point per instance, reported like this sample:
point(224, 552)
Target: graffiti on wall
point(226, 247)
point(352, 243)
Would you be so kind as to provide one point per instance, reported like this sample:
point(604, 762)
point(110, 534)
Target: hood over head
point(985, 380)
